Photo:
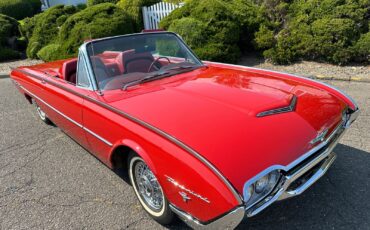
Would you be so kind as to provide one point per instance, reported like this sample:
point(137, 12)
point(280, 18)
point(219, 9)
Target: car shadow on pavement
point(339, 200)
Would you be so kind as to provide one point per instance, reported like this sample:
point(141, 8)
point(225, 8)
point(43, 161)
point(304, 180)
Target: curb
point(4, 75)
point(349, 79)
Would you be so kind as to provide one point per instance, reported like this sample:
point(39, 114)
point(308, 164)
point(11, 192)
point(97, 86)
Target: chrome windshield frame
point(83, 50)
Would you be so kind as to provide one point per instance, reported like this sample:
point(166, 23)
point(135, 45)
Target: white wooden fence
point(152, 15)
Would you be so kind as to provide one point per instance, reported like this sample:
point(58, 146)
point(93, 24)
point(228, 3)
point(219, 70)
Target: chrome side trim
point(97, 136)
point(51, 107)
point(66, 117)
point(292, 75)
point(150, 127)
point(286, 109)
point(228, 221)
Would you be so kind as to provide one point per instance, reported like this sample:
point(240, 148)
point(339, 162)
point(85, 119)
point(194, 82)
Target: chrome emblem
point(320, 136)
point(185, 197)
point(183, 193)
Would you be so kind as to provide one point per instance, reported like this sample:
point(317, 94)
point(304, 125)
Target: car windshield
point(124, 61)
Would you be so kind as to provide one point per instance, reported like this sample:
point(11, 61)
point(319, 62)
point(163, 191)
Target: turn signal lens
point(261, 184)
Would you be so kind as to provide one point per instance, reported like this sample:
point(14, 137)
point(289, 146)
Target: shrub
point(362, 48)
point(265, 38)
point(8, 54)
point(42, 29)
point(219, 52)
point(250, 17)
point(8, 28)
point(95, 2)
point(81, 6)
point(49, 53)
point(207, 26)
point(325, 30)
point(26, 26)
point(97, 21)
point(19, 9)
point(191, 29)
point(133, 8)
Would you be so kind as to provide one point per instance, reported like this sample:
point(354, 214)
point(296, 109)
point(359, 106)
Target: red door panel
point(64, 108)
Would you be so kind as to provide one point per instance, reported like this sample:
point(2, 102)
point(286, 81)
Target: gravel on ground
point(6, 67)
point(311, 69)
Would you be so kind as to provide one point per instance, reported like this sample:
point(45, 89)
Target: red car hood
point(213, 110)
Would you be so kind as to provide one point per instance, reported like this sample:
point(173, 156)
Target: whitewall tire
point(148, 190)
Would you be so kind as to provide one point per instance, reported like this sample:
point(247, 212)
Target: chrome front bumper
point(302, 173)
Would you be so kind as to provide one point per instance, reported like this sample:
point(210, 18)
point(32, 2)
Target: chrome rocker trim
point(229, 221)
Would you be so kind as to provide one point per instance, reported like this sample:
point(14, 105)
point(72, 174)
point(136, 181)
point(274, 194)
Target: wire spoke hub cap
point(148, 186)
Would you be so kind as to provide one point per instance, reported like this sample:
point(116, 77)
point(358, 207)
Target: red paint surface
point(212, 110)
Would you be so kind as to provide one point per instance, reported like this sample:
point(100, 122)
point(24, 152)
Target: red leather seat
point(130, 61)
point(120, 60)
point(69, 69)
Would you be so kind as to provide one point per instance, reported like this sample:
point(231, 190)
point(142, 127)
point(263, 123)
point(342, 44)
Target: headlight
point(261, 188)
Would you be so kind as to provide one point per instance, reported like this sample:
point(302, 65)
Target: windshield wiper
point(183, 67)
point(146, 79)
point(163, 73)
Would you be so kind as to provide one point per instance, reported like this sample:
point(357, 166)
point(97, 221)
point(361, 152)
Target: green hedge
point(8, 54)
point(8, 38)
point(285, 31)
point(49, 52)
point(97, 21)
point(133, 8)
point(95, 2)
point(8, 28)
point(324, 30)
point(362, 48)
point(210, 27)
point(43, 29)
point(20, 9)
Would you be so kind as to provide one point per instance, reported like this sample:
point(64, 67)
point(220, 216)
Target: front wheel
point(148, 190)
point(41, 113)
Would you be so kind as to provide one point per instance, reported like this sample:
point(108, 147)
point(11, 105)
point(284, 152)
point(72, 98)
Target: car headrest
point(120, 59)
point(69, 67)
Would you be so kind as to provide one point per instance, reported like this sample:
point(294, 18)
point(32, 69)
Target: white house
point(49, 3)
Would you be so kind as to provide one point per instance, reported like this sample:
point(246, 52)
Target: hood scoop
point(285, 109)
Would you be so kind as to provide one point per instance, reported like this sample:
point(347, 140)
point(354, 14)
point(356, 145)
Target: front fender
point(181, 174)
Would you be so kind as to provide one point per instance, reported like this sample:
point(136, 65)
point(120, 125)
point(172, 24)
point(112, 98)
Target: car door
point(66, 101)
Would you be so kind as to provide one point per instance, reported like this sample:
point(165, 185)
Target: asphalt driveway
point(49, 181)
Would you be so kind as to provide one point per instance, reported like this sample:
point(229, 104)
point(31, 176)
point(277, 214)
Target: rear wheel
point(41, 113)
point(148, 190)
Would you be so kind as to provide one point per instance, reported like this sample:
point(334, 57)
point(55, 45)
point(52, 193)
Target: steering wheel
point(156, 60)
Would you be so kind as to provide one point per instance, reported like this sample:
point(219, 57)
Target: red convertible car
point(212, 143)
